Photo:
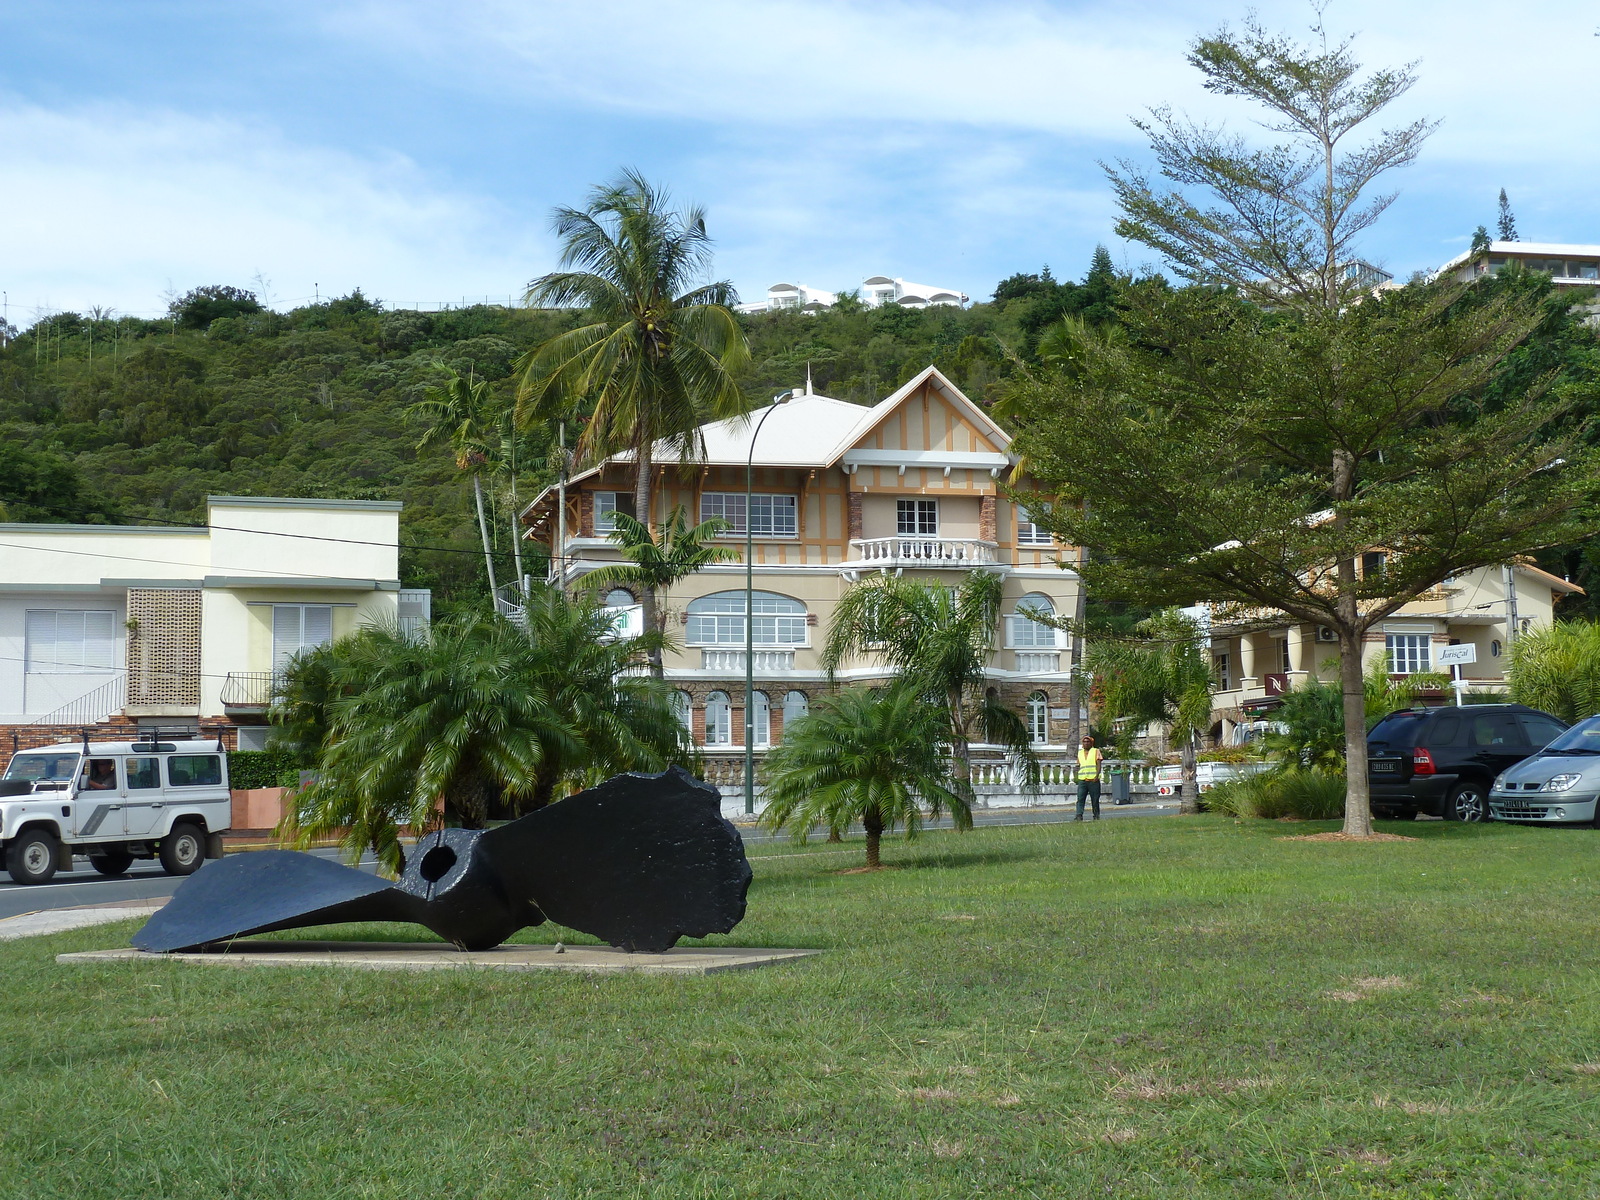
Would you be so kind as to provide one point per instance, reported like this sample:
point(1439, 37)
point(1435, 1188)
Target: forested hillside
point(106, 418)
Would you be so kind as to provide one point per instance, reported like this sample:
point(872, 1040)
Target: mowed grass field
point(1159, 1007)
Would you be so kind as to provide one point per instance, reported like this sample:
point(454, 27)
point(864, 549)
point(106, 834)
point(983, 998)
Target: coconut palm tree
point(659, 355)
point(940, 639)
point(657, 561)
point(460, 411)
point(873, 755)
point(481, 718)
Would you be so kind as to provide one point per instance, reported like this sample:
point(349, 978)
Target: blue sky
point(415, 150)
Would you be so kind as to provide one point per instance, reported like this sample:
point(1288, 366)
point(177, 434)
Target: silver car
point(1558, 785)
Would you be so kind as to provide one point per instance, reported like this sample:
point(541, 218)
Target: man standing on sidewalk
point(1088, 776)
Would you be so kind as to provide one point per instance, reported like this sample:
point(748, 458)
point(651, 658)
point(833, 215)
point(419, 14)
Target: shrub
point(1308, 795)
point(262, 768)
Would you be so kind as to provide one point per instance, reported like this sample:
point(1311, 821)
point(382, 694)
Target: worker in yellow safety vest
point(1089, 759)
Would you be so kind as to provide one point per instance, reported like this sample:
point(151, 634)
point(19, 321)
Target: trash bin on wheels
point(1121, 792)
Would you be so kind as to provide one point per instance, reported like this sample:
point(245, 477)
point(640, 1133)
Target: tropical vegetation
point(1557, 669)
point(1260, 433)
point(483, 718)
point(940, 638)
point(659, 349)
point(873, 756)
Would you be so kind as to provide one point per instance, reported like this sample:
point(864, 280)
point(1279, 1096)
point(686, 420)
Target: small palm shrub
point(874, 755)
point(1309, 795)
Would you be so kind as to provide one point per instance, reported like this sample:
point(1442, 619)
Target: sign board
point(1454, 656)
point(1061, 714)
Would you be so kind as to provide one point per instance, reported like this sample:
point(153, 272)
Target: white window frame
point(1024, 633)
point(773, 514)
point(70, 641)
point(1028, 533)
point(781, 622)
point(763, 720)
point(683, 708)
point(281, 658)
point(1039, 719)
point(1220, 668)
point(796, 707)
point(719, 719)
point(1409, 653)
point(605, 510)
point(918, 512)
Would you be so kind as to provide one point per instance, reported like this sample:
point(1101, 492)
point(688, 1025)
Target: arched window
point(763, 719)
point(795, 706)
point(1028, 634)
point(719, 720)
point(619, 598)
point(1038, 718)
point(682, 706)
point(718, 620)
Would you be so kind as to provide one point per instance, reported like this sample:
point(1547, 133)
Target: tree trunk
point(483, 530)
point(651, 623)
point(1357, 796)
point(962, 751)
point(873, 824)
point(834, 835)
point(1189, 802)
point(1080, 611)
point(643, 477)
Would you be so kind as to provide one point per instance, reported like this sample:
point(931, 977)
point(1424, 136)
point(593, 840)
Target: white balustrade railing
point(733, 660)
point(922, 551)
point(1038, 662)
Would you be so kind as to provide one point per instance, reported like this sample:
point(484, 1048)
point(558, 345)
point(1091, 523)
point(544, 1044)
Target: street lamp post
point(749, 615)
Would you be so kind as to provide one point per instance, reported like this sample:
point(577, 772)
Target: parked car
point(1169, 779)
point(114, 802)
point(1558, 785)
point(1443, 761)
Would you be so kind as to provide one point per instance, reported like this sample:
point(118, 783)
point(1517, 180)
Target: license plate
point(1389, 767)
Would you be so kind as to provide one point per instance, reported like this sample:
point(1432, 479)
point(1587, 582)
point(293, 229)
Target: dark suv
point(1442, 760)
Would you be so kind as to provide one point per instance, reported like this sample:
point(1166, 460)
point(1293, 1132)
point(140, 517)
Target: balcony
point(1038, 662)
point(766, 661)
point(247, 689)
point(906, 551)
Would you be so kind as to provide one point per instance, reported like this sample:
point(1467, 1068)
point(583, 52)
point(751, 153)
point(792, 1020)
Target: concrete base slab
point(431, 956)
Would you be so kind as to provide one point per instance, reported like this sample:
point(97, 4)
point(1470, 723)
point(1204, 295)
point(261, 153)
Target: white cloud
point(113, 206)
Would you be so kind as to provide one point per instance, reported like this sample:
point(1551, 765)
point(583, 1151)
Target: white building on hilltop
point(876, 291)
point(1567, 265)
point(791, 297)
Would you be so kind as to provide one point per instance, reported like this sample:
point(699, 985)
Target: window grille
point(770, 515)
point(917, 518)
point(1409, 653)
point(718, 620)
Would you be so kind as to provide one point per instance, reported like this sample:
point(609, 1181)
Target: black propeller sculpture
point(640, 860)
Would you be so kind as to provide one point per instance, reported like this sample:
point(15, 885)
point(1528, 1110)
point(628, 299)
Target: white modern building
point(791, 297)
point(878, 290)
point(1568, 265)
point(176, 627)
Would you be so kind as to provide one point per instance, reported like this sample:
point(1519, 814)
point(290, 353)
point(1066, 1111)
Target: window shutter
point(318, 626)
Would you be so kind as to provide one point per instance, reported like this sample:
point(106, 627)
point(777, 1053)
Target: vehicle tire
point(111, 862)
point(183, 851)
point(1404, 814)
point(33, 856)
point(1466, 802)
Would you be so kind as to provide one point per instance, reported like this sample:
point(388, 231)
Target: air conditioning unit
point(1324, 634)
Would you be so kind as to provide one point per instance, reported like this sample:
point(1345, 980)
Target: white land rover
point(114, 802)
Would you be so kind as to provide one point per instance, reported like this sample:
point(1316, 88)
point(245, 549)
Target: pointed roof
point(955, 396)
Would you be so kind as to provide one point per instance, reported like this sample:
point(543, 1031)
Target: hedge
point(262, 768)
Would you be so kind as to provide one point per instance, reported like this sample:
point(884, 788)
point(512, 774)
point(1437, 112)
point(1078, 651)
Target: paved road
point(144, 881)
point(147, 881)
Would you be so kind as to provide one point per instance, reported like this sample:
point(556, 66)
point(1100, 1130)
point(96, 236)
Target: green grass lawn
point(1160, 1007)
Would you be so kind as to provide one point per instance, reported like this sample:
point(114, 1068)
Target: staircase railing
point(93, 706)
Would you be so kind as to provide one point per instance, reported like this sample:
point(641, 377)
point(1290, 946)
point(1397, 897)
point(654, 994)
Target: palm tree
point(1557, 669)
point(1161, 676)
point(658, 357)
point(873, 755)
point(461, 412)
point(481, 718)
point(657, 562)
point(940, 639)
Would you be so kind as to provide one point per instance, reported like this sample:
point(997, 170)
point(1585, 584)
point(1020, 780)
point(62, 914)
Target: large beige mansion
point(911, 485)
